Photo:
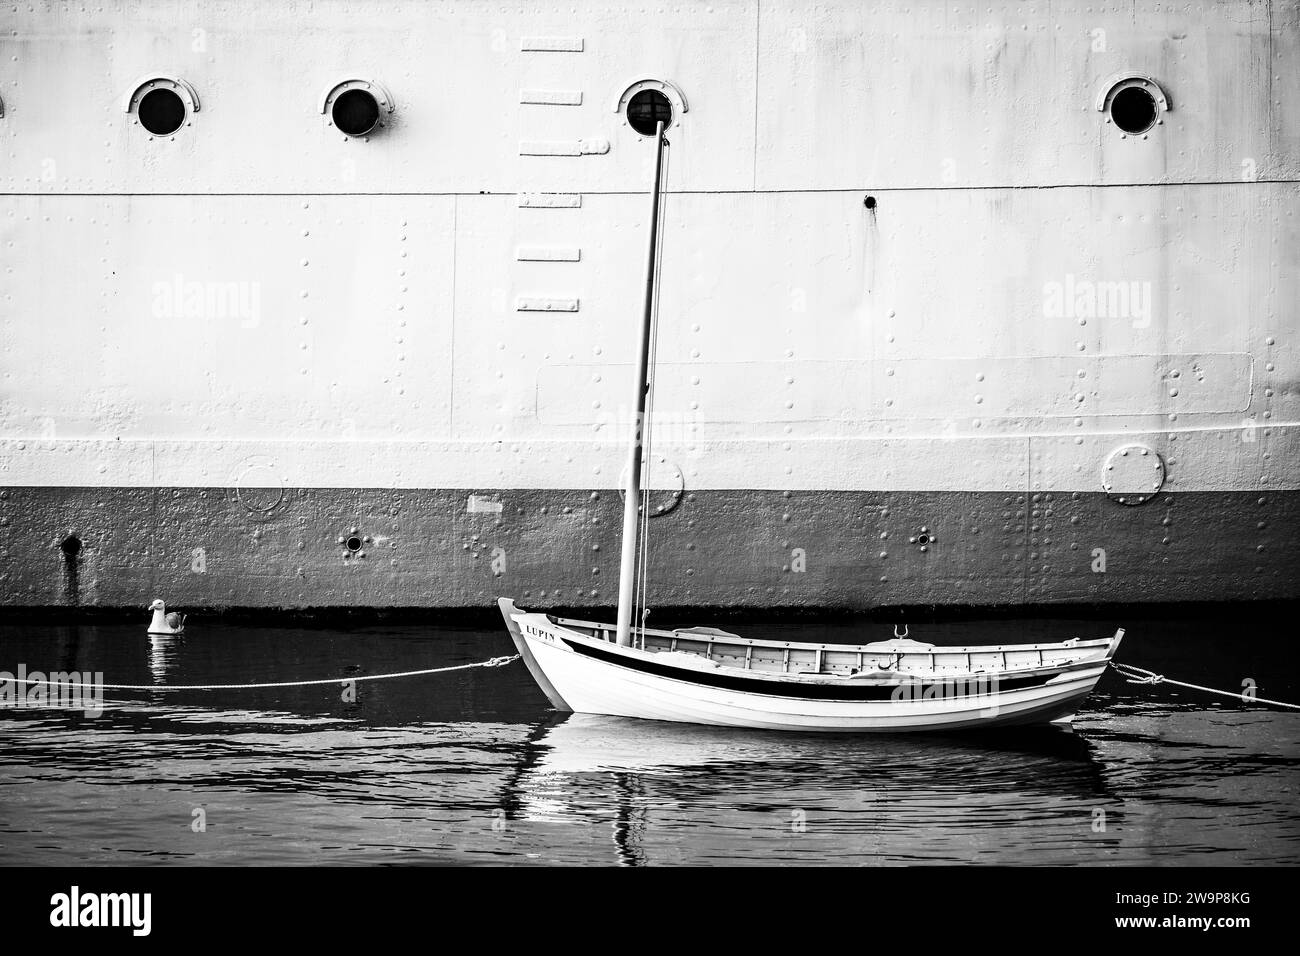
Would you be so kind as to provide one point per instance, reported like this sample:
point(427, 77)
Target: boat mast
point(632, 491)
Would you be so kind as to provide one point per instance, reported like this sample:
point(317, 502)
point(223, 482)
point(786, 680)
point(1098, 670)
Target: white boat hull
point(589, 675)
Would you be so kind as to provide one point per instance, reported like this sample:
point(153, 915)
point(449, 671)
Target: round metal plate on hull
point(1133, 473)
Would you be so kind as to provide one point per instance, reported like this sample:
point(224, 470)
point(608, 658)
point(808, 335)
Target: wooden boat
point(707, 676)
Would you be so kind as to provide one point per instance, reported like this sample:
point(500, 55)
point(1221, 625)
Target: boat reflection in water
point(845, 798)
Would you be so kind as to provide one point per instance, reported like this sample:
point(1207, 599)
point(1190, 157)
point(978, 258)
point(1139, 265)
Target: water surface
point(473, 766)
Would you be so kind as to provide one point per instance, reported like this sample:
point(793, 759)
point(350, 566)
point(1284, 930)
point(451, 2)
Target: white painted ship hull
point(590, 675)
point(316, 370)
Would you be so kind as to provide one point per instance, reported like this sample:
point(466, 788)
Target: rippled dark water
point(472, 767)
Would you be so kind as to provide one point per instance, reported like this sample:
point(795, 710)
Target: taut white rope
point(1138, 675)
point(493, 662)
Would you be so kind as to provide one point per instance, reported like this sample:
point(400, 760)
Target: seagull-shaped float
point(164, 623)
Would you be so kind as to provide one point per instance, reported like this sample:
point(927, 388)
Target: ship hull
point(212, 547)
point(932, 327)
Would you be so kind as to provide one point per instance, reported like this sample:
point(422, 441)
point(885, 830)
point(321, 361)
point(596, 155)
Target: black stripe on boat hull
point(848, 690)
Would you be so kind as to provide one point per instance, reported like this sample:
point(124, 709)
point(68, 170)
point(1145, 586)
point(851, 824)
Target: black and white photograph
point(695, 434)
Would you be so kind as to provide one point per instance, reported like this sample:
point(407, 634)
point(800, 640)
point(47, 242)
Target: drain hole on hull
point(870, 202)
point(353, 544)
point(71, 548)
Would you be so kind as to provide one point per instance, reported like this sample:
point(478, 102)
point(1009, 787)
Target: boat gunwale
point(928, 649)
point(844, 680)
point(829, 688)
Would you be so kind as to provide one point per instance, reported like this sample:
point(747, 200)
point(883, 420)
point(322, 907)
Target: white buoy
point(164, 623)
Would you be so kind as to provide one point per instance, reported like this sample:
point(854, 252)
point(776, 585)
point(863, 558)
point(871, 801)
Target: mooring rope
point(493, 662)
point(1138, 675)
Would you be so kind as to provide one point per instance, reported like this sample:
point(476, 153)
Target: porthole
point(161, 112)
point(648, 102)
point(353, 544)
point(646, 109)
point(162, 104)
point(1133, 110)
point(355, 112)
point(356, 108)
point(1134, 104)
